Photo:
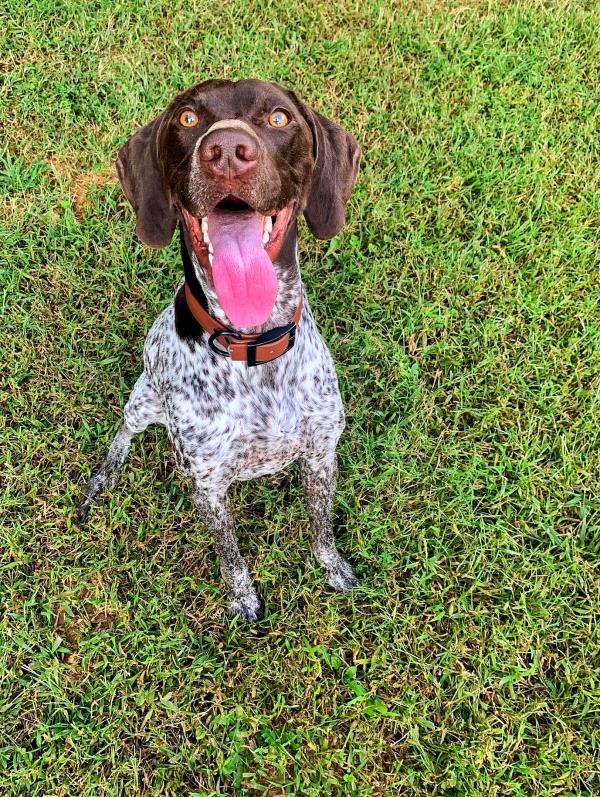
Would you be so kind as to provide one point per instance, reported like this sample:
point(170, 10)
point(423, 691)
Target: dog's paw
point(250, 607)
point(82, 512)
point(94, 489)
point(341, 575)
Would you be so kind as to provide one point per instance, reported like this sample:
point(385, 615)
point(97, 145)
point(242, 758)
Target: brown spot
point(97, 579)
point(82, 183)
point(68, 629)
point(79, 181)
point(104, 618)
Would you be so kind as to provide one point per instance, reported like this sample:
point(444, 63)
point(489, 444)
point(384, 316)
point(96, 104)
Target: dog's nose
point(228, 153)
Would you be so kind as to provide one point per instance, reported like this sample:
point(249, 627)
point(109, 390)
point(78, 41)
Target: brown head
point(237, 163)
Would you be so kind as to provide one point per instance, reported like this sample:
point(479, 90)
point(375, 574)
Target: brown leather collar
point(253, 349)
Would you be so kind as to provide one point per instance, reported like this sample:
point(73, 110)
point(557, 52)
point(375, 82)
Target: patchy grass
point(461, 307)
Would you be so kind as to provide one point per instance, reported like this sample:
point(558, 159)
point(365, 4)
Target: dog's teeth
point(210, 248)
point(266, 237)
point(268, 224)
point(205, 224)
point(206, 238)
point(210, 258)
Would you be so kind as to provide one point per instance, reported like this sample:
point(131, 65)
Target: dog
point(235, 368)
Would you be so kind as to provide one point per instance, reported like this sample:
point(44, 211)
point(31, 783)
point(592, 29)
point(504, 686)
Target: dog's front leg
point(319, 480)
point(216, 513)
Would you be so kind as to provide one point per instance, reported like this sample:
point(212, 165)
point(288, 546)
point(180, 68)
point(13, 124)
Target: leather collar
point(251, 348)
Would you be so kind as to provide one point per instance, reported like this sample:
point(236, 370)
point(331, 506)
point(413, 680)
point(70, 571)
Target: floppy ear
point(139, 172)
point(337, 157)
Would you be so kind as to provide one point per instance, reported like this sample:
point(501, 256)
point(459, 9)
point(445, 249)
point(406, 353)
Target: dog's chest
point(262, 432)
point(231, 422)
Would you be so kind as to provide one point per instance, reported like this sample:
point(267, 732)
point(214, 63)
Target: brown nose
point(228, 153)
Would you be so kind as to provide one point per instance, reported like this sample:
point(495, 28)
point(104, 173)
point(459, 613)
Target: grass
point(460, 304)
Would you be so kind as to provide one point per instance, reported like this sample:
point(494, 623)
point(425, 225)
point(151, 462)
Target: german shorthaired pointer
point(235, 367)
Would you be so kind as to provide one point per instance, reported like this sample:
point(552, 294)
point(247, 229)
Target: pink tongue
point(243, 275)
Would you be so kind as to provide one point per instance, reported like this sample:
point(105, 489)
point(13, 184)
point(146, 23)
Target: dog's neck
point(288, 276)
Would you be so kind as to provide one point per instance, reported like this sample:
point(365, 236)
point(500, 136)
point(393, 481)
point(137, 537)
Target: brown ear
point(139, 172)
point(337, 157)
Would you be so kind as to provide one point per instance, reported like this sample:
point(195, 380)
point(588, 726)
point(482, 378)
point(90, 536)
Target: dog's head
point(237, 162)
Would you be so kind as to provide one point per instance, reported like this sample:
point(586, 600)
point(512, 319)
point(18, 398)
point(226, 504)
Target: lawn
point(461, 307)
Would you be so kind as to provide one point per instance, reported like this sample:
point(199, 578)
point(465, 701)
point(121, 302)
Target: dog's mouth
point(238, 245)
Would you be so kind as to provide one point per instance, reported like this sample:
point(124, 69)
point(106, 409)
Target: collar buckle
point(216, 335)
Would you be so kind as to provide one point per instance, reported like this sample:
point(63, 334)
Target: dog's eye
point(279, 119)
point(188, 119)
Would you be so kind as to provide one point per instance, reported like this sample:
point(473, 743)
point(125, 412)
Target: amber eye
point(278, 119)
point(188, 119)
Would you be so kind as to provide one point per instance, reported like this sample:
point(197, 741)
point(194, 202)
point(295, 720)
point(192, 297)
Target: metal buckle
point(272, 336)
point(217, 334)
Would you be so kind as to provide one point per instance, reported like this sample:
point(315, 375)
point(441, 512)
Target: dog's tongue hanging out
point(243, 275)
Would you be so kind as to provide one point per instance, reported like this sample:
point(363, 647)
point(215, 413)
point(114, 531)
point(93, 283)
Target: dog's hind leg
point(142, 409)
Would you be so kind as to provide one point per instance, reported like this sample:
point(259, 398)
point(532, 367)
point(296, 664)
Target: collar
point(251, 348)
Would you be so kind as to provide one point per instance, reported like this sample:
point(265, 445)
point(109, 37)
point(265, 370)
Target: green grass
point(460, 304)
